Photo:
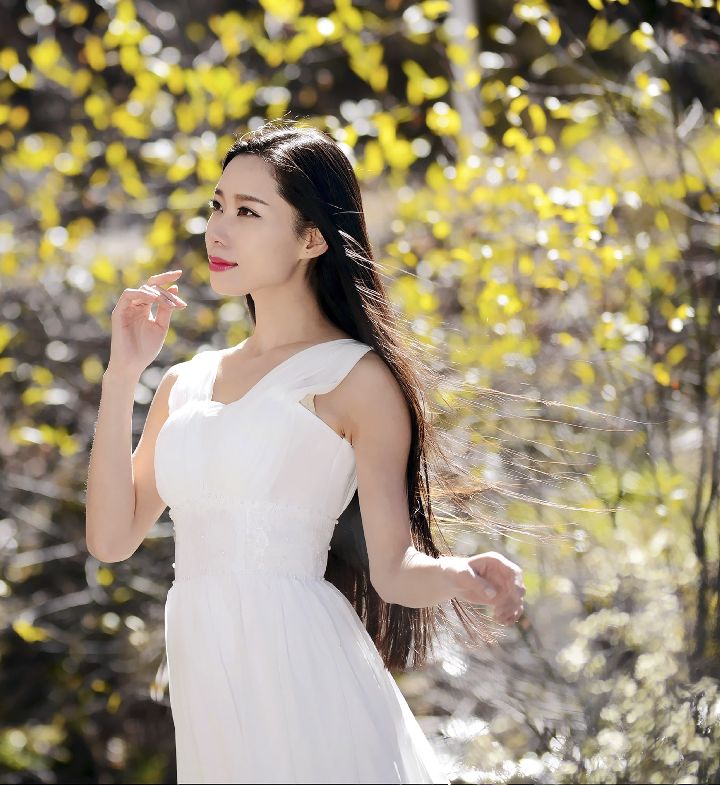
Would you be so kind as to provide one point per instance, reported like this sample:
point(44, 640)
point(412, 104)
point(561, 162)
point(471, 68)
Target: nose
point(214, 236)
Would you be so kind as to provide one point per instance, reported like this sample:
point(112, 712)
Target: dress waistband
point(255, 536)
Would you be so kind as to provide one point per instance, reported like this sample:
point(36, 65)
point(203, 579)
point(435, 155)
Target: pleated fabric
point(272, 675)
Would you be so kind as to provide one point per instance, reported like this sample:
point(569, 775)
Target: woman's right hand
point(137, 336)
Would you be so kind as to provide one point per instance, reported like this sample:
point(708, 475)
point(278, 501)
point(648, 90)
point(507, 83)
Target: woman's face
point(251, 226)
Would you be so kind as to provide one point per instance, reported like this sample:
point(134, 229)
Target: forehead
point(248, 174)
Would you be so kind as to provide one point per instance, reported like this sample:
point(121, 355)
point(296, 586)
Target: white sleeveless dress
point(272, 674)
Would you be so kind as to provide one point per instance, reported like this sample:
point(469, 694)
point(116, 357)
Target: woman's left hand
point(503, 575)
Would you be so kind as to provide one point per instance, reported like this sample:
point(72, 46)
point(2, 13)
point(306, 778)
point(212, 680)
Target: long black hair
point(314, 175)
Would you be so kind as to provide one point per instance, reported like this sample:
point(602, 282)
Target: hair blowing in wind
point(314, 175)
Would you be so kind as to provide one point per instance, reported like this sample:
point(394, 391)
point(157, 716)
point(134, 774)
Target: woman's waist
point(233, 575)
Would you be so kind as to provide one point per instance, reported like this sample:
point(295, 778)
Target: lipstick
point(219, 264)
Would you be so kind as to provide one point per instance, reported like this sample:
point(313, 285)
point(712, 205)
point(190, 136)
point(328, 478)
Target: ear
point(315, 244)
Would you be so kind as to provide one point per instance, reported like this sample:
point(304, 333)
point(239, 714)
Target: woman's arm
point(122, 502)
point(110, 496)
point(381, 436)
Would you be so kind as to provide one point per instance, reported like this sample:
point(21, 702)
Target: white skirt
point(274, 678)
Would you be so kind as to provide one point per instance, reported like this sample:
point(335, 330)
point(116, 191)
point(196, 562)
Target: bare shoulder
point(371, 374)
point(373, 400)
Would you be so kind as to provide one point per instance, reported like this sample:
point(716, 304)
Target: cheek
point(277, 248)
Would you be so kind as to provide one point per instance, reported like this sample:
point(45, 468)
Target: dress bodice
point(256, 484)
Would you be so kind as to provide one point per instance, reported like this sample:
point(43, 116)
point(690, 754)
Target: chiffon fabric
point(272, 674)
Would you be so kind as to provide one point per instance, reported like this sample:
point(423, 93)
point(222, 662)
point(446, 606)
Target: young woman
point(293, 466)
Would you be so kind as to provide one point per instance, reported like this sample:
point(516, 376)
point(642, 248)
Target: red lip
point(220, 260)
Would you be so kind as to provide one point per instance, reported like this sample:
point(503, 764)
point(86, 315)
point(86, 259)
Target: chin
point(228, 289)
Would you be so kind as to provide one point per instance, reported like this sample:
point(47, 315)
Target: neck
point(286, 316)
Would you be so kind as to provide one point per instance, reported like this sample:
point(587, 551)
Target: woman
point(292, 464)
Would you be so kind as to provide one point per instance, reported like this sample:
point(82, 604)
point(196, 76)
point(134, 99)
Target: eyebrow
point(243, 197)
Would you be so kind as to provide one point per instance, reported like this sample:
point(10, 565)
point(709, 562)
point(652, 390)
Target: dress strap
point(314, 370)
point(322, 371)
point(193, 378)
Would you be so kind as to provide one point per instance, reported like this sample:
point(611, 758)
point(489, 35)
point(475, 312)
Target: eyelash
point(214, 205)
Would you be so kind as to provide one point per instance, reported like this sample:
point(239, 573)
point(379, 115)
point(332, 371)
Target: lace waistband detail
point(254, 536)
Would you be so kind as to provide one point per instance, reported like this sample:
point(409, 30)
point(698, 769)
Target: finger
point(514, 596)
point(514, 613)
point(500, 619)
point(166, 295)
point(169, 302)
point(166, 276)
point(497, 559)
point(488, 593)
point(164, 312)
point(160, 296)
point(508, 610)
point(512, 582)
point(174, 291)
point(172, 295)
point(477, 588)
point(150, 290)
point(494, 566)
point(139, 296)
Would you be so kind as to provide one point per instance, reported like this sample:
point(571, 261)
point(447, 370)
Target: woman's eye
point(214, 205)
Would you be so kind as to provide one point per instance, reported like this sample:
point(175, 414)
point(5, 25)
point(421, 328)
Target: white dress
point(272, 674)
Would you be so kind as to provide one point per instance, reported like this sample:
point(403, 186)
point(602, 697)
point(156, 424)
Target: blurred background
point(541, 182)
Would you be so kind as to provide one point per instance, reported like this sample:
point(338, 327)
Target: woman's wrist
point(425, 580)
point(120, 376)
point(465, 581)
point(454, 568)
